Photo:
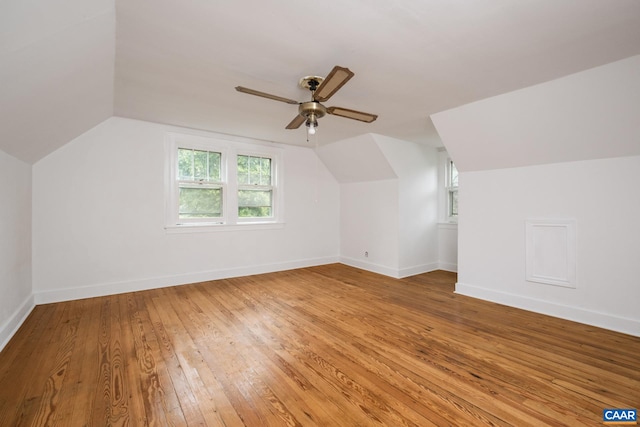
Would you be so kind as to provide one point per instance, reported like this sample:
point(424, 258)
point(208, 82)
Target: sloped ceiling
point(56, 72)
point(592, 114)
point(68, 64)
point(357, 159)
point(372, 157)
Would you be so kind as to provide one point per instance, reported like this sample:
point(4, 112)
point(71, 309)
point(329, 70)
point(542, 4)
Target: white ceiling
point(66, 65)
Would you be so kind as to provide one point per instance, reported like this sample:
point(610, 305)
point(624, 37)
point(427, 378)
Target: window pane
point(453, 175)
point(185, 163)
point(214, 166)
point(254, 203)
point(265, 171)
point(254, 170)
point(199, 165)
point(243, 170)
point(200, 202)
point(200, 168)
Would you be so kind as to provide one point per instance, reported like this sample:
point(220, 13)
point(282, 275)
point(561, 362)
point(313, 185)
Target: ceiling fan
point(321, 90)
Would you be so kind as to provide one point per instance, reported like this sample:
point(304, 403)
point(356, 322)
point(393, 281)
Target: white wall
point(388, 203)
point(15, 245)
point(417, 169)
point(448, 247)
point(601, 197)
point(98, 223)
point(369, 217)
point(566, 149)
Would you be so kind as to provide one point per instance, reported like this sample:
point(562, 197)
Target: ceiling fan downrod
point(313, 85)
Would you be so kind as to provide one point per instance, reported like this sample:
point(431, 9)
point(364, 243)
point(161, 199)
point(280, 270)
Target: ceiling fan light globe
point(311, 124)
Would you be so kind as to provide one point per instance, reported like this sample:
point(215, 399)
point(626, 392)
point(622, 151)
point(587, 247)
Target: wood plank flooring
point(321, 346)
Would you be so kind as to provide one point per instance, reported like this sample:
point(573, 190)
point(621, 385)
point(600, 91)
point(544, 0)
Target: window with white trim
point(215, 182)
point(255, 189)
point(451, 185)
point(200, 185)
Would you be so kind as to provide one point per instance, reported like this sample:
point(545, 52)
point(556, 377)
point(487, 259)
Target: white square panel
point(551, 252)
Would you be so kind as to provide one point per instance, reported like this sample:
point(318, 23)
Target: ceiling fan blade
point(296, 122)
point(352, 114)
point(265, 95)
point(334, 81)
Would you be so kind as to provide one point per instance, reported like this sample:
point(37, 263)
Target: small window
point(255, 190)
point(452, 190)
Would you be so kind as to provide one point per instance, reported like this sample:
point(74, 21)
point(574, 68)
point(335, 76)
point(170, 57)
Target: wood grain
point(322, 346)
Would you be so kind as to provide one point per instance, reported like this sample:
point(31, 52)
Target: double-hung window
point(452, 190)
point(216, 182)
point(255, 189)
point(200, 185)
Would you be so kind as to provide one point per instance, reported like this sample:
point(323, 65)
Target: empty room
point(362, 213)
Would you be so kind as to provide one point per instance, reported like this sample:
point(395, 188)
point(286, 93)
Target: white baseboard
point(369, 266)
point(98, 290)
point(11, 325)
point(389, 271)
point(447, 266)
point(576, 314)
point(418, 269)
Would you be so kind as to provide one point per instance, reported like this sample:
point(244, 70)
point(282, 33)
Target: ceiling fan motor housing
point(312, 108)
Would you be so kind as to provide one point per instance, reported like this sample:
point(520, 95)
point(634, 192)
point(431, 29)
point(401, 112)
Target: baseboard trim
point(389, 271)
point(447, 266)
point(11, 325)
point(418, 269)
point(369, 266)
point(576, 314)
point(69, 294)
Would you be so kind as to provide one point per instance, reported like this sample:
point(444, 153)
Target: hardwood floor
point(329, 345)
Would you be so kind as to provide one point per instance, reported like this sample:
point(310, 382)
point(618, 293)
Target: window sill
point(448, 225)
point(210, 228)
